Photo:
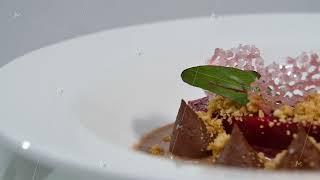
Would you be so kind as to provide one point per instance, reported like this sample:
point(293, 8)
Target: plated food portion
point(252, 115)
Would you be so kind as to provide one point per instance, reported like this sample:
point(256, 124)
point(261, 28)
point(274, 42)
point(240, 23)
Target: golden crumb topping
point(273, 163)
point(166, 138)
point(220, 108)
point(213, 125)
point(156, 150)
point(261, 114)
point(254, 104)
point(218, 144)
point(307, 111)
point(225, 107)
point(284, 112)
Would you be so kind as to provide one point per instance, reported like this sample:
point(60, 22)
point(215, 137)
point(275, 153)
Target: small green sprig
point(228, 82)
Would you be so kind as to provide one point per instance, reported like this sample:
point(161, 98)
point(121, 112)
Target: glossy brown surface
point(302, 153)
point(156, 137)
point(189, 136)
point(238, 152)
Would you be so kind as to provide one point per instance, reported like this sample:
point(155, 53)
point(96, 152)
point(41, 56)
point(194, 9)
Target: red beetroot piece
point(266, 135)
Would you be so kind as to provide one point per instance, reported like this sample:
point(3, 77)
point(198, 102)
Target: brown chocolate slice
point(302, 153)
point(189, 136)
point(238, 152)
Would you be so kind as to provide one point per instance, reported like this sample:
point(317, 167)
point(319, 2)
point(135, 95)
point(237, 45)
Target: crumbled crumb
point(261, 157)
point(273, 163)
point(254, 103)
point(271, 124)
point(261, 126)
point(288, 132)
point(166, 138)
point(261, 114)
point(213, 125)
point(218, 144)
point(156, 150)
point(284, 112)
point(308, 111)
point(225, 107)
point(221, 108)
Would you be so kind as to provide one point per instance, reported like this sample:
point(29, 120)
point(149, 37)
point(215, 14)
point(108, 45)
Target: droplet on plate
point(60, 91)
point(25, 145)
point(16, 14)
point(214, 16)
point(103, 164)
point(139, 52)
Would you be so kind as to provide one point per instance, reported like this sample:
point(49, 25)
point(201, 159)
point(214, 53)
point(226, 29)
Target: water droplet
point(16, 14)
point(139, 52)
point(104, 164)
point(213, 15)
point(60, 91)
point(25, 145)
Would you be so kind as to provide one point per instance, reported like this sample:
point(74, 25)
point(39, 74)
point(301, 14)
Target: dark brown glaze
point(189, 136)
point(238, 152)
point(302, 153)
point(156, 137)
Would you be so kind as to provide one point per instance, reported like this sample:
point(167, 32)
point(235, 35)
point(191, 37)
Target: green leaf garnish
point(229, 82)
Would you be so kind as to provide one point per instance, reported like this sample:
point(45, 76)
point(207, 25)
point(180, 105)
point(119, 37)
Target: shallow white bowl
point(83, 103)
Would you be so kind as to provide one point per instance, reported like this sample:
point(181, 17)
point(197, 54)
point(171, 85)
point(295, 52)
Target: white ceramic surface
point(83, 103)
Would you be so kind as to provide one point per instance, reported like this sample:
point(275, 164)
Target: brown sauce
point(156, 136)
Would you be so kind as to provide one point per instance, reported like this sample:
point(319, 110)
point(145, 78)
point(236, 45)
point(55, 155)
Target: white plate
point(83, 103)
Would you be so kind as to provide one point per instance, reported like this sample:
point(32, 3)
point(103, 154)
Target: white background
point(26, 25)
